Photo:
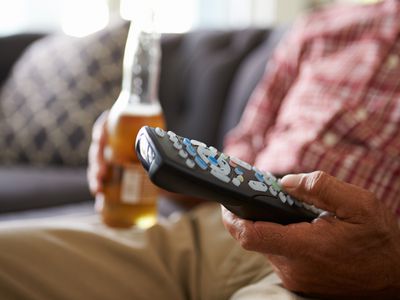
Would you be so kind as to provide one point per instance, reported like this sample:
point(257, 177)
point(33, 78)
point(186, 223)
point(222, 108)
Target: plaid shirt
point(330, 100)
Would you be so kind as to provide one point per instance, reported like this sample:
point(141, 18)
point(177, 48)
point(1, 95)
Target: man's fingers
point(328, 193)
point(268, 238)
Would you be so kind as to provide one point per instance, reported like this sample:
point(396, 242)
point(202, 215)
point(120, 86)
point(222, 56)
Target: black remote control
point(190, 167)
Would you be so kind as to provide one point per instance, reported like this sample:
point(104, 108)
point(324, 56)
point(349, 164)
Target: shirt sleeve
point(247, 138)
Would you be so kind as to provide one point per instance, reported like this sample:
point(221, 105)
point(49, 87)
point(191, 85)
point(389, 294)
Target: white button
point(282, 197)
point(236, 181)
point(241, 163)
point(177, 146)
point(173, 138)
point(183, 154)
point(272, 191)
point(392, 61)
point(330, 139)
point(197, 143)
point(220, 176)
point(160, 132)
point(314, 209)
point(213, 150)
point(258, 186)
point(290, 200)
point(190, 163)
point(170, 133)
point(307, 206)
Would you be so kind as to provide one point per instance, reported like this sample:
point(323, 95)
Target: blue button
point(191, 150)
point(239, 171)
point(201, 163)
point(259, 176)
point(213, 160)
point(186, 142)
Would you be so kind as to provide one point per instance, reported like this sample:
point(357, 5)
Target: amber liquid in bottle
point(129, 197)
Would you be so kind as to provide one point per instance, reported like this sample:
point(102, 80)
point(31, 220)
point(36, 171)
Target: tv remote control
point(190, 167)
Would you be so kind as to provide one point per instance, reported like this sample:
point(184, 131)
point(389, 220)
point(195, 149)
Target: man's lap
point(192, 257)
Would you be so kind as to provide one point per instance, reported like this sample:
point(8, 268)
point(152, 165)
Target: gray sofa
point(207, 77)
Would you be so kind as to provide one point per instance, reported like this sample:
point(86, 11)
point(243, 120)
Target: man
point(329, 101)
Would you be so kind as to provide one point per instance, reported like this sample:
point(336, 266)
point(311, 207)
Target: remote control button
point(297, 203)
point(272, 191)
point(239, 171)
point(204, 153)
point(190, 163)
point(160, 132)
point(276, 186)
point(255, 169)
point(240, 177)
point(307, 206)
point(177, 146)
point(290, 201)
point(220, 176)
point(236, 181)
point(258, 186)
point(282, 197)
point(222, 166)
point(201, 163)
point(269, 180)
point(197, 143)
point(314, 209)
point(213, 150)
point(182, 153)
point(213, 160)
point(173, 138)
point(241, 163)
point(259, 177)
point(170, 133)
point(191, 150)
point(186, 142)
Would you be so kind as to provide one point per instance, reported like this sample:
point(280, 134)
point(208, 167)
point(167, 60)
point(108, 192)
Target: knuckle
point(316, 182)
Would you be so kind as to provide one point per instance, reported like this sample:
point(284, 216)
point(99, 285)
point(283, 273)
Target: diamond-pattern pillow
point(55, 92)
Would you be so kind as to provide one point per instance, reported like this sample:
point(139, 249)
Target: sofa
point(206, 79)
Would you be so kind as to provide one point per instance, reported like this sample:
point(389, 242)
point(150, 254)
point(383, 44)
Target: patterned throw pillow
point(54, 94)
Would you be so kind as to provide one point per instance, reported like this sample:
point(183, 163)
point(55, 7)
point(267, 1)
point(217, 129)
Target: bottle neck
point(141, 66)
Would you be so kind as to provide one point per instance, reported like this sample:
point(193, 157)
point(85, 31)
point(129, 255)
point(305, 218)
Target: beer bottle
point(129, 198)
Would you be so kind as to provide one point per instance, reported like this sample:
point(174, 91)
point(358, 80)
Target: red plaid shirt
point(330, 100)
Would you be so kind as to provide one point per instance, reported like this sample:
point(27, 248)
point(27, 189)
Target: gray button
point(258, 186)
point(183, 154)
point(197, 143)
point(290, 201)
point(282, 197)
point(173, 138)
point(236, 181)
point(160, 132)
point(177, 146)
point(241, 163)
point(190, 163)
point(220, 176)
point(273, 191)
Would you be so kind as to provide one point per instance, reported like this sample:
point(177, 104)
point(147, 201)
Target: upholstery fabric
point(55, 92)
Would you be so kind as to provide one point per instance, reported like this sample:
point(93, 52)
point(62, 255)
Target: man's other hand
point(353, 253)
point(97, 165)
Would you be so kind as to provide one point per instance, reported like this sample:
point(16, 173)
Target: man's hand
point(97, 165)
point(353, 254)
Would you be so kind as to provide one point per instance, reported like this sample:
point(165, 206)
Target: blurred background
point(61, 67)
point(82, 17)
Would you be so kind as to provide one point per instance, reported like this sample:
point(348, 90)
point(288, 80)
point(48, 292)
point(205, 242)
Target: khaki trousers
point(191, 257)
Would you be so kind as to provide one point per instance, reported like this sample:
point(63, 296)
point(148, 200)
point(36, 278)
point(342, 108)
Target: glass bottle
point(129, 198)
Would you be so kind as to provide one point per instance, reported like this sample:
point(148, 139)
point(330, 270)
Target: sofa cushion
point(54, 94)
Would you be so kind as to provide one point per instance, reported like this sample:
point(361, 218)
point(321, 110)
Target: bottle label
point(136, 187)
